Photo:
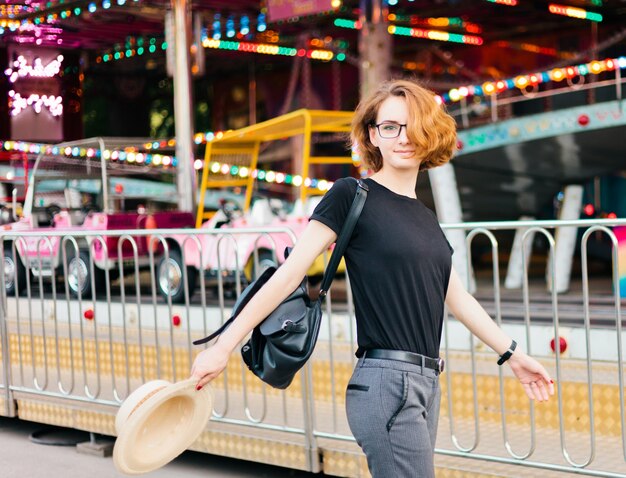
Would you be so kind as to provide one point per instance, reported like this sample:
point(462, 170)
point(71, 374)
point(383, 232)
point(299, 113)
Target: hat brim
point(158, 422)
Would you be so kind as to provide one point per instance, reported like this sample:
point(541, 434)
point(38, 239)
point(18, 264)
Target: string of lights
point(244, 47)
point(574, 12)
point(128, 155)
point(131, 156)
point(426, 34)
point(523, 81)
point(268, 176)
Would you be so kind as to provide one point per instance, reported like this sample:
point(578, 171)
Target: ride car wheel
point(170, 278)
point(14, 273)
point(79, 274)
point(266, 260)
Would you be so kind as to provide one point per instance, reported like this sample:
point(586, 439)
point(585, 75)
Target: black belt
point(437, 364)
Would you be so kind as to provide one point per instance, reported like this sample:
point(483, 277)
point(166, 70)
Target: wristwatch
point(507, 355)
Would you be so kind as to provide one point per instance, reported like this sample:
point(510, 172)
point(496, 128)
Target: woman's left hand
point(532, 375)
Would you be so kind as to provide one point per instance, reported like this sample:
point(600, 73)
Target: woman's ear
point(373, 136)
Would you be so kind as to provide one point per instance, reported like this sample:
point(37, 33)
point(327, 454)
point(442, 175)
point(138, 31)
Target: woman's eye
point(390, 127)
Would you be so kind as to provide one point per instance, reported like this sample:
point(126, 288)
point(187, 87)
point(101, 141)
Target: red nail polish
point(199, 387)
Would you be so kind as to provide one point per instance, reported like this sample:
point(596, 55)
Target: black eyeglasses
point(389, 130)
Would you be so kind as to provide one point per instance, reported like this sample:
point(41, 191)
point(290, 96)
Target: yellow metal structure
point(241, 148)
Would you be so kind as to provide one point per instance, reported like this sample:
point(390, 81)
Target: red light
point(583, 120)
point(88, 314)
point(611, 215)
point(176, 320)
point(589, 209)
point(562, 345)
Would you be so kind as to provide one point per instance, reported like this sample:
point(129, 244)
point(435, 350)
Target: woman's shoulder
point(345, 185)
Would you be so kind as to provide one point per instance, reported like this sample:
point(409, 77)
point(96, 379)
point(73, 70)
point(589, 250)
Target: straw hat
point(157, 422)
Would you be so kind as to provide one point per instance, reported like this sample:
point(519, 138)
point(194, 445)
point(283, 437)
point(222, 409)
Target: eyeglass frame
point(377, 126)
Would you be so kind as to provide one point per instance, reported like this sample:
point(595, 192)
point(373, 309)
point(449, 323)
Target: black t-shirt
point(399, 263)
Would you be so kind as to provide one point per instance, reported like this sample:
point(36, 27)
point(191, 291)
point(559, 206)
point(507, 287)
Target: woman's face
point(397, 152)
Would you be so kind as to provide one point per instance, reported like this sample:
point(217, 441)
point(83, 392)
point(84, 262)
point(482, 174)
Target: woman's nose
point(403, 138)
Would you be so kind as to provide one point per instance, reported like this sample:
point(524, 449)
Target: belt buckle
point(441, 364)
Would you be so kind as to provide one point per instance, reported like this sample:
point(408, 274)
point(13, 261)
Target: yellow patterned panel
point(41, 412)
point(340, 463)
point(454, 473)
point(251, 448)
point(575, 404)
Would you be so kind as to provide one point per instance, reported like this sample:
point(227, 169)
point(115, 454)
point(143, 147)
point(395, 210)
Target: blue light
point(217, 27)
point(230, 27)
point(393, 2)
point(621, 61)
point(244, 25)
point(106, 4)
point(121, 2)
point(260, 23)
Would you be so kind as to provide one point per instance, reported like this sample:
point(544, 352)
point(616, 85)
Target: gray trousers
point(393, 411)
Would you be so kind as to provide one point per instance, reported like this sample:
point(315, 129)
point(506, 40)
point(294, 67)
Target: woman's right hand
point(209, 364)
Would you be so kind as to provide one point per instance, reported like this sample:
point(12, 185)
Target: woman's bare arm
point(315, 239)
point(531, 374)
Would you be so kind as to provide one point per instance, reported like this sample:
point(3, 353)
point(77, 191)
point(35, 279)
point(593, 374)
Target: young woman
point(401, 275)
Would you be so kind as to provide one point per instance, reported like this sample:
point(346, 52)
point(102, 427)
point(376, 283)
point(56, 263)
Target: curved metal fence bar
point(618, 326)
point(496, 286)
point(120, 246)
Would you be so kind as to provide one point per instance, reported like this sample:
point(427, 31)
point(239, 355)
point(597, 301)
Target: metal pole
point(252, 93)
point(186, 179)
point(374, 45)
point(4, 337)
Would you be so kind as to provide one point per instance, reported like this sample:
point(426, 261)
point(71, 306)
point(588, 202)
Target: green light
point(594, 17)
point(164, 45)
point(152, 48)
point(116, 56)
point(343, 23)
point(341, 57)
point(140, 50)
point(37, 21)
point(152, 41)
point(129, 53)
point(77, 11)
point(63, 15)
point(455, 37)
point(402, 31)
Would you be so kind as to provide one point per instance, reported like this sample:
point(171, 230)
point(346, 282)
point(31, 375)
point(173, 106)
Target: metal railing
point(96, 349)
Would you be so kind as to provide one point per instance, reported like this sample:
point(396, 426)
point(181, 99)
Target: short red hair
point(429, 127)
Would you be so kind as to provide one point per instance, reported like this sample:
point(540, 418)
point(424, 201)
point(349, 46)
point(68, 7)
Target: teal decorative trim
point(544, 125)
